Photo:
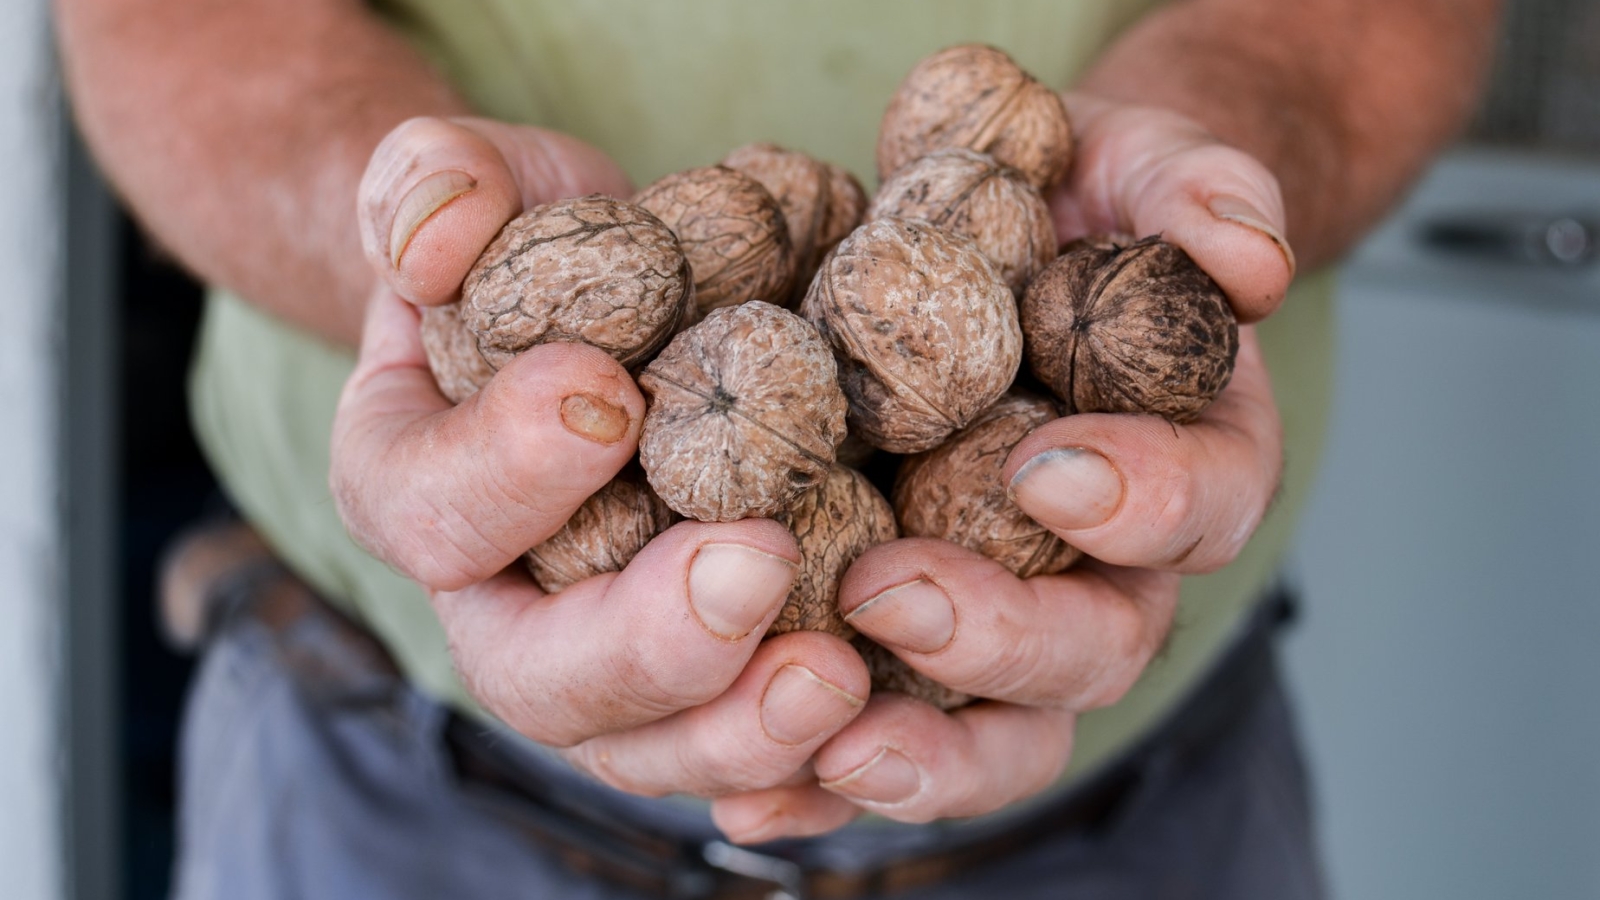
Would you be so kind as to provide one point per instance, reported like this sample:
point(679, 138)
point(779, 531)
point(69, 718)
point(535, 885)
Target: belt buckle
point(786, 876)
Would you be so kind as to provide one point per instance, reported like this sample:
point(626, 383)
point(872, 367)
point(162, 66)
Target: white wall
point(30, 555)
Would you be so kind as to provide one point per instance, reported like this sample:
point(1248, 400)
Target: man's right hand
point(655, 678)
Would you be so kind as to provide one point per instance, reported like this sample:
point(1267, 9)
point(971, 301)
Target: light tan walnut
point(732, 231)
point(593, 270)
point(834, 523)
point(956, 492)
point(925, 331)
point(452, 351)
point(604, 535)
point(971, 194)
point(977, 97)
point(821, 202)
point(745, 414)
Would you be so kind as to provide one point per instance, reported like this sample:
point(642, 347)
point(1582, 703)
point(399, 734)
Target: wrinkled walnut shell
point(604, 535)
point(977, 97)
point(1130, 329)
point(452, 353)
point(821, 202)
point(971, 194)
point(744, 416)
point(956, 492)
point(593, 270)
point(732, 231)
point(834, 523)
point(890, 673)
point(925, 331)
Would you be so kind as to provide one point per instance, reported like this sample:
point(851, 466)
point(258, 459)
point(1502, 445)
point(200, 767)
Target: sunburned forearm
point(1344, 100)
point(238, 131)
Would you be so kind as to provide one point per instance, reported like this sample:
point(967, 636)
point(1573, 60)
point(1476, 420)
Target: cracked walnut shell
point(925, 331)
point(834, 523)
point(972, 194)
point(821, 202)
point(956, 492)
point(603, 535)
point(732, 231)
point(745, 414)
point(1135, 328)
point(977, 97)
point(593, 270)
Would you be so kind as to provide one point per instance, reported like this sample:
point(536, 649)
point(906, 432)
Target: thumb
point(437, 191)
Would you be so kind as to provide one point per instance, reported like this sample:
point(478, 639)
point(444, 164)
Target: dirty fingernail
point(1233, 209)
point(424, 199)
point(798, 706)
point(1068, 488)
point(732, 588)
point(594, 419)
point(888, 777)
point(916, 616)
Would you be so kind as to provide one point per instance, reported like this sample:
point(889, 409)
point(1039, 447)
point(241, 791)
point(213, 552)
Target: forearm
point(1344, 100)
point(237, 131)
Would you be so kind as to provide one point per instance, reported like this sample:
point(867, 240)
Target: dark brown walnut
point(452, 353)
point(890, 673)
point(1134, 328)
point(821, 202)
point(977, 97)
point(593, 270)
point(733, 232)
point(745, 414)
point(971, 194)
point(956, 492)
point(604, 535)
point(834, 523)
point(925, 331)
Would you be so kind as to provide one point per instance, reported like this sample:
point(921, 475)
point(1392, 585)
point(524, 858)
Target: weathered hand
point(1146, 499)
point(651, 678)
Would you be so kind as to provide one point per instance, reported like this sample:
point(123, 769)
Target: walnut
point(956, 492)
point(452, 353)
point(925, 331)
point(890, 673)
point(593, 270)
point(733, 232)
point(977, 97)
point(821, 202)
point(1134, 329)
point(834, 522)
point(971, 194)
point(744, 415)
point(603, 535)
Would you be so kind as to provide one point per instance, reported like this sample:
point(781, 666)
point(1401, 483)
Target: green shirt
point(664, 86)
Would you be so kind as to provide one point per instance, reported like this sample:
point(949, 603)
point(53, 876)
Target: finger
point(449, 496)
point(783, 812)
point(797, 691)
point(1148, 171)
point(1140, 491)
point(437, 191)
point(671, 631)
point(907, 761)
point(1075, 641)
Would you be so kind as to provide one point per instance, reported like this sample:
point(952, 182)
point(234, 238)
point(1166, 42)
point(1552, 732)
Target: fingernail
point(594, 419)
point(424, 199)
point(732, 588)
point(1068, 488)
point(916, 616)
point(1233, 209)
point(888, 777)
point(798, 706)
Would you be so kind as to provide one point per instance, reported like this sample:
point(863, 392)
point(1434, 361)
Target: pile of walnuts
point(771, 313)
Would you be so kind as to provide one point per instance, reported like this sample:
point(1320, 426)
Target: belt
point(333, 657)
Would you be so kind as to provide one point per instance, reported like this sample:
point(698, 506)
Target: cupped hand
point(1146, 499)
point(653, 679)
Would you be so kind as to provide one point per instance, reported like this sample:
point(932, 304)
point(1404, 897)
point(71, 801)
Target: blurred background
point(1445, 656)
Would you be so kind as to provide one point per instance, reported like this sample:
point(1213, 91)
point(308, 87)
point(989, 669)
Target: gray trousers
point(342, 786)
